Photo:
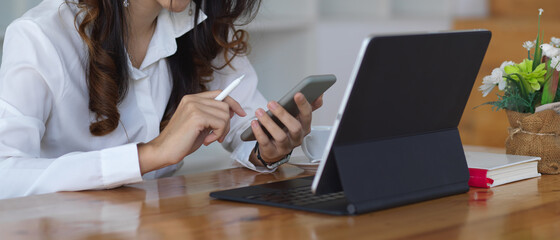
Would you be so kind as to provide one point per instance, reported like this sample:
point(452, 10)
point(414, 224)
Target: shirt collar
point(170, 25)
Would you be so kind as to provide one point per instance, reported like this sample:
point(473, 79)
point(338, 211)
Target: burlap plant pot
point(536, 135)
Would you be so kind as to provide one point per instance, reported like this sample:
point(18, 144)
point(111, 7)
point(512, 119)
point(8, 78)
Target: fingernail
point(272, 105)
point(254, 124)
point(259, 112)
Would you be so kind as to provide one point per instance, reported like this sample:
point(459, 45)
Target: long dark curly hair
point(103, 28)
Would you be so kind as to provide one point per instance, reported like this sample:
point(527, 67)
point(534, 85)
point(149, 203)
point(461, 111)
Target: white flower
point(528, 45)
point(486, 86)
point(541, 11)
point(489, 82)
point(555, 41)
point(502, 84)
point(498, 75)
point(505, 64)
point(550, 51)
point(555, 63)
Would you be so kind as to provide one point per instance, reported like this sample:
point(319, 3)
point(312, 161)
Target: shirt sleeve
point(250, 99)
point(29, 73)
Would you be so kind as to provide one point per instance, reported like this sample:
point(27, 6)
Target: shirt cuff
point(241, 155)
point(119, 165)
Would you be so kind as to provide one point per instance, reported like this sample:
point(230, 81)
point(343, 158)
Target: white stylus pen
point(229, 88)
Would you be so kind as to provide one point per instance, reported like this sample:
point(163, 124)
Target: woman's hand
point(199, 119)
point(282, 141)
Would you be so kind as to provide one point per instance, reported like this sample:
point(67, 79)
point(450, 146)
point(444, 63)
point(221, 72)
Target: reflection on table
point(179, 207)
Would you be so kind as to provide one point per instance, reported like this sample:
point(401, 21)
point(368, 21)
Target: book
point(491, 169)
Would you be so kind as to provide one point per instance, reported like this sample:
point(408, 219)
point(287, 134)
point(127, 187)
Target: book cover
point(491, 169)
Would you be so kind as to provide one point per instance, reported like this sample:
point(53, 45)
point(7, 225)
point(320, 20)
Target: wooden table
point(179, 207)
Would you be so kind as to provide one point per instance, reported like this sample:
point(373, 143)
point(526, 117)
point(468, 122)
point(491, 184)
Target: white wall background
point(292, 39)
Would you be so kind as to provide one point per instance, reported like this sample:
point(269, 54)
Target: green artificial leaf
point(538, 51)
point(530, 79)
point(550, 90)
point(514, 100)
point(535, 86)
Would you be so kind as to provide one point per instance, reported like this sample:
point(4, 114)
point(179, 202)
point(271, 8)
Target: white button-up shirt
point(45, 143)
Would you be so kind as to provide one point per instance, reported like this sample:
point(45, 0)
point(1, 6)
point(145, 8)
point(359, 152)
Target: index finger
point(209, 94)
point(235, 106)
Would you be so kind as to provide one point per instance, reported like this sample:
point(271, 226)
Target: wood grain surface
point(180, 208)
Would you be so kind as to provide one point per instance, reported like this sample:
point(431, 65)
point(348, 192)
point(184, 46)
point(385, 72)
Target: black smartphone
point(311, 87)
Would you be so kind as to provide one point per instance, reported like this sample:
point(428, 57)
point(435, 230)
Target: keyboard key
point(297, 196)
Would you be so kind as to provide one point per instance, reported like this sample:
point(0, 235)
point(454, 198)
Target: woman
point(95, 94)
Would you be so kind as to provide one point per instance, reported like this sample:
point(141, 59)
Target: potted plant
point(528, 92)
